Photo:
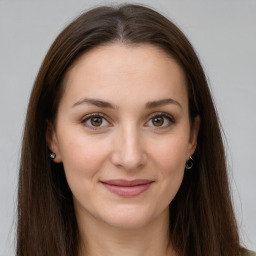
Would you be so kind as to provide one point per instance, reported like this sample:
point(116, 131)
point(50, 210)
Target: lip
point(127, 188)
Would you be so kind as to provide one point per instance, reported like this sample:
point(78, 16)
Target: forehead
point(121, 72)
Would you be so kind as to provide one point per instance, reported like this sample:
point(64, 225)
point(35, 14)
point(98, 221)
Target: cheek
point(82, 157)
point(169, 159)
point(170, 155)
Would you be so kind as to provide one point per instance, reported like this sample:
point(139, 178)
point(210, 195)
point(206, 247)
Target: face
point(123, 133)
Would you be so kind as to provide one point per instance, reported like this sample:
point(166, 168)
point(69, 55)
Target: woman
point(122, 151)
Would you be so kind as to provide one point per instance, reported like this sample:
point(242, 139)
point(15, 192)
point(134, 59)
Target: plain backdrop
point(222, 32)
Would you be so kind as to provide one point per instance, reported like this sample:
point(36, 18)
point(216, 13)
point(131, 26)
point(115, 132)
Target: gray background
point(224, 35)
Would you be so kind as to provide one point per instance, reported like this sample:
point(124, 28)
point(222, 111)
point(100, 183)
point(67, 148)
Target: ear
point(193, 136)
point(52, 141)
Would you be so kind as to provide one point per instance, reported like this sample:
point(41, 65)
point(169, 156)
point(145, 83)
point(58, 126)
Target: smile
point(126, 188)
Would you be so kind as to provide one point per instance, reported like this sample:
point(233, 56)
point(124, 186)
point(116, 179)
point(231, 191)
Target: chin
point(128, 217)
point(127, 222)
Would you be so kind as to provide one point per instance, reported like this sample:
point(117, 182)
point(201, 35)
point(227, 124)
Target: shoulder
point(248, 253)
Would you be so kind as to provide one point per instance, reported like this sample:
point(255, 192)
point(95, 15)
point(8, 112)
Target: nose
point(128, 149)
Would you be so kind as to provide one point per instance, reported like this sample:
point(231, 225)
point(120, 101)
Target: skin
point(128, 144)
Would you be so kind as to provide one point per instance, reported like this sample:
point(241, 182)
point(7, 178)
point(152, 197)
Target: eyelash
point(90, 116)
point(165, 116)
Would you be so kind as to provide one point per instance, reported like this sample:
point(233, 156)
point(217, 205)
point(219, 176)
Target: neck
point(99, 238)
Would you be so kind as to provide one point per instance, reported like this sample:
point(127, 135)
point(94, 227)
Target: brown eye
point(158, 121)
point(96, 121)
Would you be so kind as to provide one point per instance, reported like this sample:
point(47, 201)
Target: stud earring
point(189, 163)
point(52, 156)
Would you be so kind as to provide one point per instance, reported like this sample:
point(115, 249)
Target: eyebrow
point(95, 102)
point(105, 104)
point(159, 103)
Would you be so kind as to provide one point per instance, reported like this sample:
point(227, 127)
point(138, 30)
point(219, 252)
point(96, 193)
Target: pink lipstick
point(127, 188)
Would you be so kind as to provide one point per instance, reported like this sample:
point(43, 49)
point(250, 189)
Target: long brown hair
point(202, 221)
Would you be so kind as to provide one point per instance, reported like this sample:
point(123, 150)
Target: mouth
point(127, 188)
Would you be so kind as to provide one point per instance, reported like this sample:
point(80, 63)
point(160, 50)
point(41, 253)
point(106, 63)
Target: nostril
point(128, 149)
point(129, 159)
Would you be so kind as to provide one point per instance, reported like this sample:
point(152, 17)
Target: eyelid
point(95, 114)
point(170, 118)
point(167, 116)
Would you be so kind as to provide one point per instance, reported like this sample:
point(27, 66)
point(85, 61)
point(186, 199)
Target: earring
point(189, 163)
point(52, 156)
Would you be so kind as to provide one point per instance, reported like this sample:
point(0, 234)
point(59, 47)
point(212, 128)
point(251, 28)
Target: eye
point(160, 120)
point(95, 121)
